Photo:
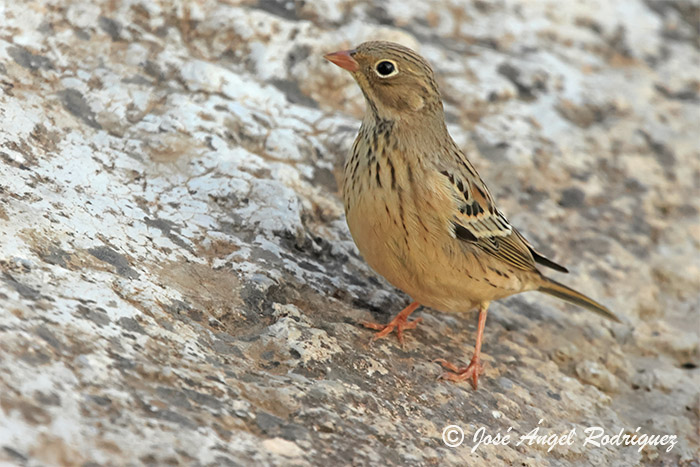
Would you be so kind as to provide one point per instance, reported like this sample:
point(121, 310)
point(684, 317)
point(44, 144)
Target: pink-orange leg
point(475, 367)
point(400, 322)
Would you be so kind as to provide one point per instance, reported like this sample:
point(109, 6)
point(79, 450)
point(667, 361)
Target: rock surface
point(177, 283)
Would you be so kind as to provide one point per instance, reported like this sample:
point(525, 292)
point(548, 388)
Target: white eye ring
point(391, 68)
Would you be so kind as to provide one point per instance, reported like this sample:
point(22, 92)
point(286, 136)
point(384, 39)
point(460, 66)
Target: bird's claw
point(399, 323)
point(457, 374)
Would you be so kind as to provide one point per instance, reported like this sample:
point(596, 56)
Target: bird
point(418, 211)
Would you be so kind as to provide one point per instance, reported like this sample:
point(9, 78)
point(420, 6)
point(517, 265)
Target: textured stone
point(177, 283)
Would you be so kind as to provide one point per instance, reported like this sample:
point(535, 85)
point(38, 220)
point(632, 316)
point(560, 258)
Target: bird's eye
point(386, 68)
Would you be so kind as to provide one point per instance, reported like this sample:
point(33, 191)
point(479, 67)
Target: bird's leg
point(400, 322)
point(475, 367)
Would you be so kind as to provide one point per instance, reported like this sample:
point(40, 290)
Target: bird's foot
point(473, 370)
point(400, 323)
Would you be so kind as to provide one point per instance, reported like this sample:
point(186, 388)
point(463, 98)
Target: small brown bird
point(417, 209)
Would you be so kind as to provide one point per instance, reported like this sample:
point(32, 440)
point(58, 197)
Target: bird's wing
point(477, 220)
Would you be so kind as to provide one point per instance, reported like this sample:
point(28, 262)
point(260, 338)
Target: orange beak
point(343, 59)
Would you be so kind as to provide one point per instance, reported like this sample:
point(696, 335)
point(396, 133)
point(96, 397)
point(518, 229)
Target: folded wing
point(477, 220)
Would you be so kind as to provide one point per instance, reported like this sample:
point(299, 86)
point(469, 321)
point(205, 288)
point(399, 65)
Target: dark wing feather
point(544, 261)
point(540, 258)
point(478, 221)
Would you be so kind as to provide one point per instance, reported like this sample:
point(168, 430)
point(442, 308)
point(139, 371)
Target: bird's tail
point(570, 295)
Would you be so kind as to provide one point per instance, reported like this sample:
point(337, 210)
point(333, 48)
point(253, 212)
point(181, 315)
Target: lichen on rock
point(178, 285)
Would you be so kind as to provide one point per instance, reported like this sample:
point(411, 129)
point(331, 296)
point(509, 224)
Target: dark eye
point(385, 68)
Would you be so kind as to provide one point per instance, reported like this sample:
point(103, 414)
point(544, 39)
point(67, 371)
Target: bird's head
point(398, 84)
